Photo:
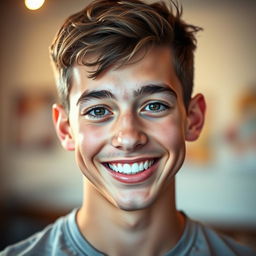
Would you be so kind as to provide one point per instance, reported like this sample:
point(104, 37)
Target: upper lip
point(130, 161)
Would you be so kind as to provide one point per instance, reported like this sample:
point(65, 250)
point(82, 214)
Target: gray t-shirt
point(64, 238)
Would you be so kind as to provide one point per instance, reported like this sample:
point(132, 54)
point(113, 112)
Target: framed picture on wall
point(31, 122)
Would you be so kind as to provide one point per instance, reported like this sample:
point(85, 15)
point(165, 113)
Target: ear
point(195, 117)
point(62, 127)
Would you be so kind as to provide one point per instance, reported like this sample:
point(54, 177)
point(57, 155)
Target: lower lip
point(133, 178)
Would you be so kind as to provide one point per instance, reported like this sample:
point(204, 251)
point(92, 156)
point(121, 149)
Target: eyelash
point(163, 107)
point(95, 116)
point(107, 113)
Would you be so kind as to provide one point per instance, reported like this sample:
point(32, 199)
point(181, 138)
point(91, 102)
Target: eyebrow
point(152, 89)
point(102, 94)
point(143, 91)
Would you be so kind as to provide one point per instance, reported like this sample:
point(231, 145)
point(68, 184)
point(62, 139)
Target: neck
point(98, 218)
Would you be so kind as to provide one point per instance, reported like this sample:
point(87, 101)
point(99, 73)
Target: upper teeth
point(131, 168)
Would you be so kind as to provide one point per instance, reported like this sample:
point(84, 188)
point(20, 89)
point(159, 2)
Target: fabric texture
point(64, 238)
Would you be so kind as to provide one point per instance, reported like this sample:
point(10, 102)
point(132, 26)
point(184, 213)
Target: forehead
point(154, 67)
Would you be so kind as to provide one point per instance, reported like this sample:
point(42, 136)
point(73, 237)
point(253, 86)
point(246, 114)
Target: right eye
point(97, 113)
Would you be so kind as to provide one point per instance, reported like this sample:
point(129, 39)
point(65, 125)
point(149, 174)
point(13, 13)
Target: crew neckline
point(82, 246)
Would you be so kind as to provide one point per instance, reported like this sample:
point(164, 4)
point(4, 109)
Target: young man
point(124, 71)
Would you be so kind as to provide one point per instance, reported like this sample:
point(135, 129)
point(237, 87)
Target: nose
point(128, 134)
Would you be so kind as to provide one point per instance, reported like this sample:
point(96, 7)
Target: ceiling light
point(34, 4)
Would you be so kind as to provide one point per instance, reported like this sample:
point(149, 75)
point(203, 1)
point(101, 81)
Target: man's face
point(128, 129)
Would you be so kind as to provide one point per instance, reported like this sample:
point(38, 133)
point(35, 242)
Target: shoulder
point(200, 240)
point(49, 241)
point(210, 242)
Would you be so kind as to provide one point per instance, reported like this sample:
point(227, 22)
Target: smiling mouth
point(132, 168)
point(132, 171)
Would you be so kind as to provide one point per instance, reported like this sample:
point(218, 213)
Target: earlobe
point(195, 117)
point(62, 127)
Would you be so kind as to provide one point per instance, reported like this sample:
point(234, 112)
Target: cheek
point(170, 133)
point(90, 140)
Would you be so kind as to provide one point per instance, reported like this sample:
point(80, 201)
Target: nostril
point(129, 140)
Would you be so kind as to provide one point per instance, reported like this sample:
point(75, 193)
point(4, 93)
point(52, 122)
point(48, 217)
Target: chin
point(135, 204)
point(133, 207)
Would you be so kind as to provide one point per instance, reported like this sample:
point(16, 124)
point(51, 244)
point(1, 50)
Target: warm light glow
point(34, 4)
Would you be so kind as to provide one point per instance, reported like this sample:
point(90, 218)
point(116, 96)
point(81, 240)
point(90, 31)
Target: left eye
point(155, 107)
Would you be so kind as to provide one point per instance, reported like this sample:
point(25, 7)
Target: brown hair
point(115, 31)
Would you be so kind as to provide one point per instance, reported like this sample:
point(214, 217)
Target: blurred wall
point(225, 67)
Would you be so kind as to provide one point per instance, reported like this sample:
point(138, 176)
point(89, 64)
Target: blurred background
point(39, 181)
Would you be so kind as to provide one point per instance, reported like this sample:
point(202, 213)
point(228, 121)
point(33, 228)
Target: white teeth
point(141, 167)
point(135, 168)
point(127, 168)
point(146, 165)
point(119, 168)
point(131, 168)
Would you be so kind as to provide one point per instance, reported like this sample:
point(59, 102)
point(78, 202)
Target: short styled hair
point(115, 31)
